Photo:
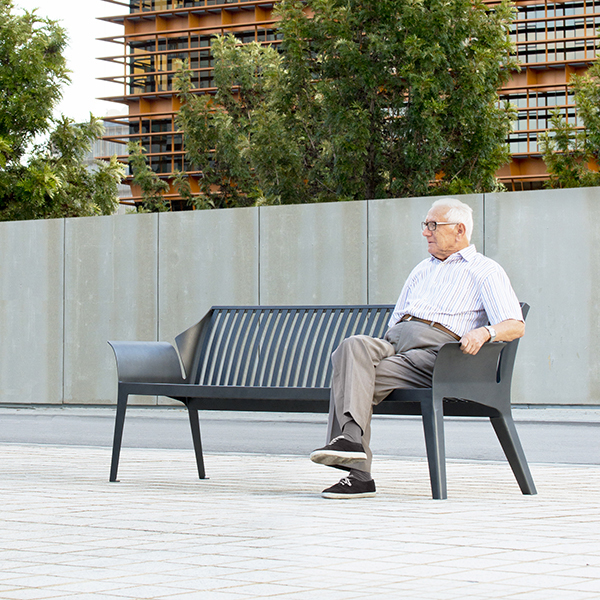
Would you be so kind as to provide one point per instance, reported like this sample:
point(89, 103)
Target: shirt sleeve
point(499, 299)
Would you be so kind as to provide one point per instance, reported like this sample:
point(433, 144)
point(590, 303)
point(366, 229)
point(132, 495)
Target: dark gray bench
point(277, 358)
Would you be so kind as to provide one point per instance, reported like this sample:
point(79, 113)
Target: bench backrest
point(283, 346)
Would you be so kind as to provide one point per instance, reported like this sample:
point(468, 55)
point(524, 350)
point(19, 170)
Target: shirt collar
point(465, 254)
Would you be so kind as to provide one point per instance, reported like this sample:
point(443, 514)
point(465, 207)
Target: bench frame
point(205, 373)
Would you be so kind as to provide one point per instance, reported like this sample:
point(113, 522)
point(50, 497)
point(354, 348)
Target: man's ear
point(461, 229)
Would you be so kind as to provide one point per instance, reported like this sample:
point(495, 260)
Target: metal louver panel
point(287, 346)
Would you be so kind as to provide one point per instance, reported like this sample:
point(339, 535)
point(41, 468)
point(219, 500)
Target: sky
point(79, 18)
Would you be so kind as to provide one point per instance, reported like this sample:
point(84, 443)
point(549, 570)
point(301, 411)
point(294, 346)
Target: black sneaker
point(339, 450)
point(348, 487)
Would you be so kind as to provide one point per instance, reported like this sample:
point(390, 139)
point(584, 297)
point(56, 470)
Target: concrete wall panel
point(31, 311)
point(110, 294)
point(314, 254)
point(549, 245)
point(206, 258)
point(396, 243)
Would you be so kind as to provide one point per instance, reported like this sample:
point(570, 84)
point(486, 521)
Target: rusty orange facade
point(157, 36)
point(553, 41)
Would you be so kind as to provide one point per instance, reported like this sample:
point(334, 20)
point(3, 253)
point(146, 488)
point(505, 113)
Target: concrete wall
point(68, 286)
point(111, 284)
point(549, 244)
point(31, 311)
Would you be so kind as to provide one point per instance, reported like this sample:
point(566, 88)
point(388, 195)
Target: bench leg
point(118, 435)
point(195, 426)
point(433, 427)
point(506, 431)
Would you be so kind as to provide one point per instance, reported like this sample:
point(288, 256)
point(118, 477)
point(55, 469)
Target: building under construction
point(553, 41)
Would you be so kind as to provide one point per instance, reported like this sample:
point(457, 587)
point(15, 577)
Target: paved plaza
point(258, 528)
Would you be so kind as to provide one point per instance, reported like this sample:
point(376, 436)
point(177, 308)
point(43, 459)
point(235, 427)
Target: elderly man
point(456, 294)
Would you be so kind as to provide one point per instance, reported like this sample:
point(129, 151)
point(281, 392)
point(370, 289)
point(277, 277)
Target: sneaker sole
point(335, 496)
point(329, 458)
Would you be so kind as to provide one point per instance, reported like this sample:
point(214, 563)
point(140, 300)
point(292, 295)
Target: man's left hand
point(506, 331)
point(471, 342)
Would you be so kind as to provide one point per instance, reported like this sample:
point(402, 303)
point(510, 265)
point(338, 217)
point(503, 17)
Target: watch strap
point(492, 332)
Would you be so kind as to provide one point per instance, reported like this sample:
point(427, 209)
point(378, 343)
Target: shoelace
point(334, 440)
point(346, 481)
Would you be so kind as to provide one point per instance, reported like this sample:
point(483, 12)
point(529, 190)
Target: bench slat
point(208, 360)
point(281, 364)
point(295, 369)
point(320, 336)
point(279, 347)
point(235, 343)
point(324, 339)
point(240, 377)
point(276, 345)
point(237, 329)
point(267, 323)
point(289, 372)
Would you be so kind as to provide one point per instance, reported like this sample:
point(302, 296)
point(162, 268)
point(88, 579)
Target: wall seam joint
point(157, 308)
point(258, 256)
point(483, 250)
point(368, 256)
point(64, 310)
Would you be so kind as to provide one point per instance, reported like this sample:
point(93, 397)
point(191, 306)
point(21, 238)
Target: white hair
point(457, 212)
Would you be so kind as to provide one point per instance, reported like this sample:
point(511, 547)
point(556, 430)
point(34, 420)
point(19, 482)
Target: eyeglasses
point(432, 225)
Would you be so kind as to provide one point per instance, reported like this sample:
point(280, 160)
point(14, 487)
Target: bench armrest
point(469, 377)
point(147, 362)
point(452, 365)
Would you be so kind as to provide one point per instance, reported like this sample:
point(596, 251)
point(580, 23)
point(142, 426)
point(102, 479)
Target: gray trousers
point(366, 370)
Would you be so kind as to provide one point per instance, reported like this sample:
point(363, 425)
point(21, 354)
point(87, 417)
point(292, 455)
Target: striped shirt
point(463, 292)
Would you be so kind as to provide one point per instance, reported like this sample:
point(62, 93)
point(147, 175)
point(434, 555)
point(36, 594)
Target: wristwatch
point(492, 332)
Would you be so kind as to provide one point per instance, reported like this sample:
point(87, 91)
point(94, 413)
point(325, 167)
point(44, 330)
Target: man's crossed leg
point(365, 371)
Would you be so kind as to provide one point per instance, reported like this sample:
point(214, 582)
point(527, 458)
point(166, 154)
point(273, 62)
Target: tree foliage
point(151, 185)
point(587, 99)
point(364, 100)
point(567, 155)
point(572, 154)
point(49, 178)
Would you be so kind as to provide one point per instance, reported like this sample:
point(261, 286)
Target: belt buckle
point(408, 317)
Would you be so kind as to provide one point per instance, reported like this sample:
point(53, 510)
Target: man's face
point(446, 239)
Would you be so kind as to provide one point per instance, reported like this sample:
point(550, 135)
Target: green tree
point(567, 154)
point(151, 185)
point(587, 100)
point(572, 153)
point(365, 100)
point(232, 136)
point(51, 178)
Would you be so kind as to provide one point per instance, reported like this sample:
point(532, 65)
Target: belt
point(431, 324)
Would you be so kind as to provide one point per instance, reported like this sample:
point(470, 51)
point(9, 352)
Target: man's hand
point(471, 342)
point(506, 331)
